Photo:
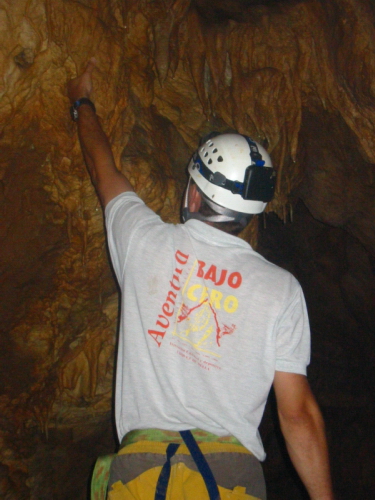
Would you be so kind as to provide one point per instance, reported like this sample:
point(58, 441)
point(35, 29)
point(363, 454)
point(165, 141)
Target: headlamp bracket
point(258, 184)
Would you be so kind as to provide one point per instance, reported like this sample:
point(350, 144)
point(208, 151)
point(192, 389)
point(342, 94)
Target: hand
point(82, 85)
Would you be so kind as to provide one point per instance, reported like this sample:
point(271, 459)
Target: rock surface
point(296, 75)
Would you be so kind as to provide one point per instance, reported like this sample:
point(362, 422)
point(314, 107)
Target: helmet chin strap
point(186, 215)
point(223, 214)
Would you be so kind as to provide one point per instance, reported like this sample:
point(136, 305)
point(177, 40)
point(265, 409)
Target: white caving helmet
point(235, 175)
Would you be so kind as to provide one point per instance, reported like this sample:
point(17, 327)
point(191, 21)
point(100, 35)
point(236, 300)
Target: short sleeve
point(125, 216)
point(293, 335)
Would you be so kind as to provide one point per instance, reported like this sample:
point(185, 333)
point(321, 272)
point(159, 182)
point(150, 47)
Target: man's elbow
point(305, 417)
point(108, 187)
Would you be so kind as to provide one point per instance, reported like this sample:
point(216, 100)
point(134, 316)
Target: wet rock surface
point(298, 77)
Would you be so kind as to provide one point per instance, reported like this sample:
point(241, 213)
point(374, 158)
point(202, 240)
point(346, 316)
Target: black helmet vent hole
point(209, 161)
point(215, 150)
point(220, 158)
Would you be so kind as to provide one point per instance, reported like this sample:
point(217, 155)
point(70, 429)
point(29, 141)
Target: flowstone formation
point(298, 76)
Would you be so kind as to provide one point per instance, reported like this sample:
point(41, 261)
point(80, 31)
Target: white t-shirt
point(205, 322)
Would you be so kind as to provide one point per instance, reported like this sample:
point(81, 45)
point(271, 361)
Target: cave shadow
point(336, 275)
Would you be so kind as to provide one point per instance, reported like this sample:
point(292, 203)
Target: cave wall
point(295, 75)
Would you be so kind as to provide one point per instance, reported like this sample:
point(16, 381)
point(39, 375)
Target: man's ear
point(195, 198)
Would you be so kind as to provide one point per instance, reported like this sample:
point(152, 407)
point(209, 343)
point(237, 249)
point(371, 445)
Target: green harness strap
point(100, 477)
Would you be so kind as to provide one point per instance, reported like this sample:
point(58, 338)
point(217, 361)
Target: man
point(207, 325)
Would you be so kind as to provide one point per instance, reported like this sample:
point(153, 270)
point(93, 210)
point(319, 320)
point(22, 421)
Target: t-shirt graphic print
point(206, 310)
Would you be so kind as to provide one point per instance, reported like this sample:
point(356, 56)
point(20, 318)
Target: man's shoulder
point(125, 198)
point(270, 276)
point(128, 207)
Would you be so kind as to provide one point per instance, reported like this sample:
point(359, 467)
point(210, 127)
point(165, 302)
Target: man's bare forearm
point(306, 443)
point(108, 181)
point(97, 152)
point(303, 429)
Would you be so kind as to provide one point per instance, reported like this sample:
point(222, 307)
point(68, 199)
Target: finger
point(90, 65)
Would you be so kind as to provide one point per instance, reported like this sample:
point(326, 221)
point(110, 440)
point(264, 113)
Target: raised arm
point(106, 178)
point(303, 429)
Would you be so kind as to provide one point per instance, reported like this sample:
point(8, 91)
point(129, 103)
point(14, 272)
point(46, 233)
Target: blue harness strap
point(202, 464)
point(200, 461)
point(162, 484)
